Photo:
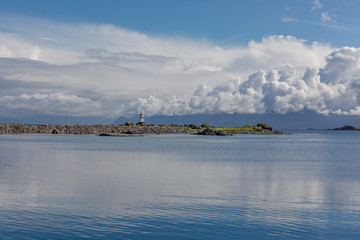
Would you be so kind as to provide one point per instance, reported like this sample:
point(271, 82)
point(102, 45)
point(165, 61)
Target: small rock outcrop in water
point(212, 132)
point(345, 128)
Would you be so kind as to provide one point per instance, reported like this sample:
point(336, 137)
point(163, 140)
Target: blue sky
point(109, 59)
point(224, 22)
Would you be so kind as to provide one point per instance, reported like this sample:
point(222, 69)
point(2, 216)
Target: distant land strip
point(128, 128)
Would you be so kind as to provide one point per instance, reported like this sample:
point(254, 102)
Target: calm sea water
point(300, 186)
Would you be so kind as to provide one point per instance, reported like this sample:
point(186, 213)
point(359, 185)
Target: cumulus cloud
point(92, 70)
point(332, 89)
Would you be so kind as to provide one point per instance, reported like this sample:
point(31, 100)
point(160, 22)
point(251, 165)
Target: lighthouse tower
point(141, 119)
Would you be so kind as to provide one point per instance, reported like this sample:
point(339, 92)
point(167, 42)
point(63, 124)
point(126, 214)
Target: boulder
point(207, 131)
point(212, 132)
point(223, 133)
point(264, 126)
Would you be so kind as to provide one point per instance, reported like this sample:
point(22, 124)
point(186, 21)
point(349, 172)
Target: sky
point(98, 61)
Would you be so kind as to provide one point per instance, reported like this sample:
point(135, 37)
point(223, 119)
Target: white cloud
point(289, 19)
point(13, 46)
point(91, 70)
point(317, 4)
point(325, 17)
point(54, 104)
point(333, 89)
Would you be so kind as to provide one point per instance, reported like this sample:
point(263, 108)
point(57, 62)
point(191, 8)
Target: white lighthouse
point(141, 118)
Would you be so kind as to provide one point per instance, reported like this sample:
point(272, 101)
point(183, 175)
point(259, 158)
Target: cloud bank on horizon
point(104, 70)
point(332, 89)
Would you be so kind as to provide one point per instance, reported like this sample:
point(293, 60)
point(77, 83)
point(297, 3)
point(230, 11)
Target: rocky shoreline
point(86, 129)
point(125, 129)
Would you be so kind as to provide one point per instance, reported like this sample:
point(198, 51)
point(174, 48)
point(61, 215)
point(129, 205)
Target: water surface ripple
point(300, 186)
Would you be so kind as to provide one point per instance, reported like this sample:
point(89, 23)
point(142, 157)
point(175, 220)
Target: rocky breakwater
point(132, 129)
point(86, 129)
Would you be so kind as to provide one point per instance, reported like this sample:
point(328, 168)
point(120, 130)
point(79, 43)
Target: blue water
point(300, 186)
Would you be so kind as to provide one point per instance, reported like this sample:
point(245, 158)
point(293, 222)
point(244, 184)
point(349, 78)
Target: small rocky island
point(135, 129)
point(347, 128)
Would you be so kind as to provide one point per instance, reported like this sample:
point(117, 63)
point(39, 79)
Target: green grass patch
point(190, 130)
point(246, 128)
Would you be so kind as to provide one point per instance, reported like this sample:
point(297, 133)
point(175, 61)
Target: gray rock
point(212, 132)
point(264, 126)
